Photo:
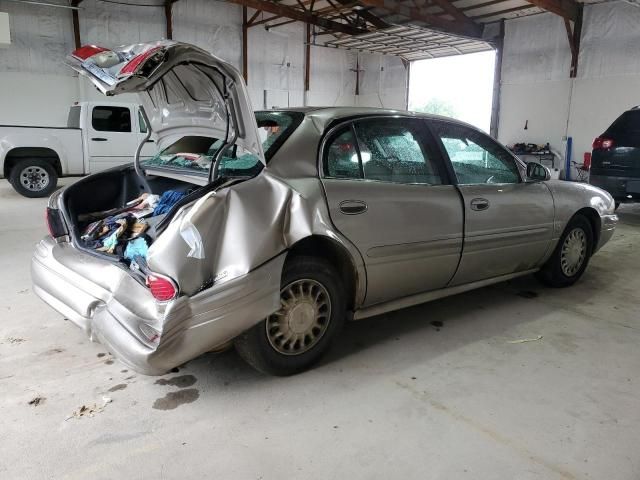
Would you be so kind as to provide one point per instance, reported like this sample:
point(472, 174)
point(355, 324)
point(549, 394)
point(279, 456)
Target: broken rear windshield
point(195, 153)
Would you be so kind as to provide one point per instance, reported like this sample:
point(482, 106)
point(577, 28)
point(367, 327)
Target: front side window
point(476, 158)
point(111, 119)
point(388, 150)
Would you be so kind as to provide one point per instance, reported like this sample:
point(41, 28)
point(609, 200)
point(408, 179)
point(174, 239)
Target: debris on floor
point(14, 340)
point(89, 410)
point(35, 401)
point(526, 340)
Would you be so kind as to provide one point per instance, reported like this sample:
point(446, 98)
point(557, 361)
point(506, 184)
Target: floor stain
point(437, 324)
point(182, 381)
point(527, 294)
point(109, 362)
point(101, 354)
point(173, 400)
point(120, 386)
point(37, 401)
point(53, 351)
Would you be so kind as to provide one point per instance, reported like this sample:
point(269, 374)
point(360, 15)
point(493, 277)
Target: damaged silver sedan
point(269, 230)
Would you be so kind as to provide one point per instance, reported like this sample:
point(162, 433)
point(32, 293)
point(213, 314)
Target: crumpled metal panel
point(240, 228)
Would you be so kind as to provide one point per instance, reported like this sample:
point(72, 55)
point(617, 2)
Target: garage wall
point(536, 84)
point(37, 88)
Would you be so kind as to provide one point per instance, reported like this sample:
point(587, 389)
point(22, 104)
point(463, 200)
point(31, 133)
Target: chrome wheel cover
point(303, 318)
point(34, 178)
point(574, 251)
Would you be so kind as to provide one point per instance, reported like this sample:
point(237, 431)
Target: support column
point(245, 47)
point(307, 59)
point(497, 84)
point(75, 16)
point(168, 14)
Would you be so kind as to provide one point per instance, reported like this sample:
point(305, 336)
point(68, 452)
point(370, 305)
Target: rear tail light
point(55, 223)
point(87, 51)
point(603, 143)
point(162, 288)
point(132, 65)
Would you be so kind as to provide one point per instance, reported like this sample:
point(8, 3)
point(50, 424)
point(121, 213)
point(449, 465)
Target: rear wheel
point(312, 311)
point(33, 177)
point(571, 256)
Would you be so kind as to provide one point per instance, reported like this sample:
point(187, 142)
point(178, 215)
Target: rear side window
point(342, 156)
point(73, 121)
point(386, 150)
point(111, 119)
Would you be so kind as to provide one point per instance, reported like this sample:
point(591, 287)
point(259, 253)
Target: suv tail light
point(162, 288)
point(603, 143)
point(55, 223)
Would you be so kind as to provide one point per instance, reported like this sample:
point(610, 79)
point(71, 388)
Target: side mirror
point(537, 172)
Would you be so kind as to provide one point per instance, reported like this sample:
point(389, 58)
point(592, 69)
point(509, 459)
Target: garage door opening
point(460, 87)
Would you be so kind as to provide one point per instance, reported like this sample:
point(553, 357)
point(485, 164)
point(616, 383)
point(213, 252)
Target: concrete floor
point(399, 397)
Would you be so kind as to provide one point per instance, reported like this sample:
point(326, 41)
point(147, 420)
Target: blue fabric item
point(136, 248)
point(167, 200)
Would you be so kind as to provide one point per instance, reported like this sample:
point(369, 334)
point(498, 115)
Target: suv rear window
point(625, 131)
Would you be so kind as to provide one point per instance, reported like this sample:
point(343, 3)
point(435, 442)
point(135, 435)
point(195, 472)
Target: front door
point(111, 138)
point(389, 194)
point(508, 222)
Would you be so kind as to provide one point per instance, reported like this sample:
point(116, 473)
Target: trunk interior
point(101, 201)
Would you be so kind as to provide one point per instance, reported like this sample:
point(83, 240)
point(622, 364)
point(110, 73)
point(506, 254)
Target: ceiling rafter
point(565, 8)
point(457, 27)
point(297, 14)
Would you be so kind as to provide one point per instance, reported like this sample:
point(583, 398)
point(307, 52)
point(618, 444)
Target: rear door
point(111, 137)
point(508, 222)
point(389, 194)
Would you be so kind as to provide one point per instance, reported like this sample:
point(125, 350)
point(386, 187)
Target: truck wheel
point(571, 256)
point(313, 308)
point(33, 177)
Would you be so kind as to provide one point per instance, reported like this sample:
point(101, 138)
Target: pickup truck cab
point(98, 136)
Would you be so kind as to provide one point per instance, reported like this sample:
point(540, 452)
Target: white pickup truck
point(97, 136)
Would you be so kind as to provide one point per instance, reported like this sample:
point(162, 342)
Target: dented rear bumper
point(114, 309)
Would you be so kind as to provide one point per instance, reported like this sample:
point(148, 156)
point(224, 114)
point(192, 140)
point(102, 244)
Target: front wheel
point(311, 314)
point(33, 177)
point(571, 256)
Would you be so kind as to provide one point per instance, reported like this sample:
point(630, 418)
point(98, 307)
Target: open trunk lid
point(183, 89)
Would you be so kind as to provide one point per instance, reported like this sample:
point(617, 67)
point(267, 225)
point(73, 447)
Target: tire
point(617, 205)
point(266, 350)
point(570, 253)
point(34, 177)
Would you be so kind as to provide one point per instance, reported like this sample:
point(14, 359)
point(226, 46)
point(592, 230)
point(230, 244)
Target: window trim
point(425, 135)
point(431, 125)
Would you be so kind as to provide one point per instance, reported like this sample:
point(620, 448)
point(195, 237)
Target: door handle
point(149, 141)
point(98, 139)
point(479, 204)
point(353, 207)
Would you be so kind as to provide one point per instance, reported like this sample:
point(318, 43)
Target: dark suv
point(615, 162)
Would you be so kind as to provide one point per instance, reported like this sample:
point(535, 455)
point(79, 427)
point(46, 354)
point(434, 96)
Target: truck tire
point(34, 177)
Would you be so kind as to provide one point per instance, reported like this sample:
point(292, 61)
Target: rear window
point(628, 122)
point(111, 119)
point(196, 153)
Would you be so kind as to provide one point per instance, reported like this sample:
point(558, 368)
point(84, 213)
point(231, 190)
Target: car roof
point(323, 116)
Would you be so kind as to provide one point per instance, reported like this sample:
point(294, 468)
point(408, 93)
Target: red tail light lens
point(55, 224)
point(87, 51)
point(162, 288)
point(136, 61)
point(602, 143)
